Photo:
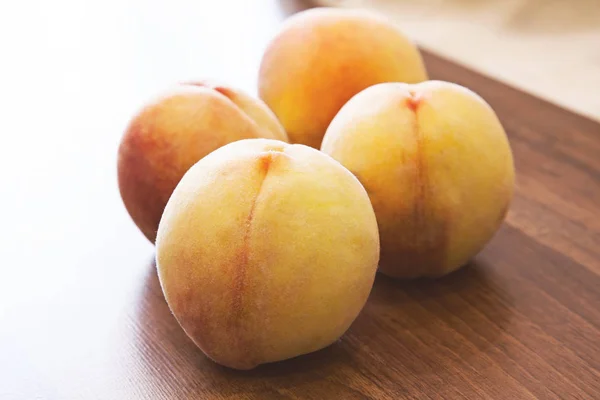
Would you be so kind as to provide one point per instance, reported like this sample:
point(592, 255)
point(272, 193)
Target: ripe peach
point(174, 131)
point(322, 57)
point(266, 251)
point(438, 168)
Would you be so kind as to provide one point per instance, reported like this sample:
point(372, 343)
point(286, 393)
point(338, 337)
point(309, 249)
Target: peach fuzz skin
point(167, 136)
point(438, 168)
point(322, 57)
point(266, 251)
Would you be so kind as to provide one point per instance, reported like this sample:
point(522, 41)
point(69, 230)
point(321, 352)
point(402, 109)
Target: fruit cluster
point(267, 250)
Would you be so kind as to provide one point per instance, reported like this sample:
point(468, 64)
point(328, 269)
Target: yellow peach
point(438, 168)
point(169, 135)
point(266, 251)
point(322, 57)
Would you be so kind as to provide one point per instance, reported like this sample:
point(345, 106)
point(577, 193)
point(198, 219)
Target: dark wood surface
point(82, 315)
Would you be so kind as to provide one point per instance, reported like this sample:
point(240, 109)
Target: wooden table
point(82, 315)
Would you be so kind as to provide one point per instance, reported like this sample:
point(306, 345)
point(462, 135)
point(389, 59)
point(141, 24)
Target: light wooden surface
point(550, 48)
point(81, 312)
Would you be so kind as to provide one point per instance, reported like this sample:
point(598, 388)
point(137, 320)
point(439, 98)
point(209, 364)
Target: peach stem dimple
point(413, 101)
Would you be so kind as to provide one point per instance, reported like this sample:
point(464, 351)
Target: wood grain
point(86, 317)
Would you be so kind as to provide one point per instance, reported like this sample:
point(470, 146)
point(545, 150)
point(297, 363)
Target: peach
point(170, 134)
point(438, 168)
point(266, 251)
point(322, 57)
